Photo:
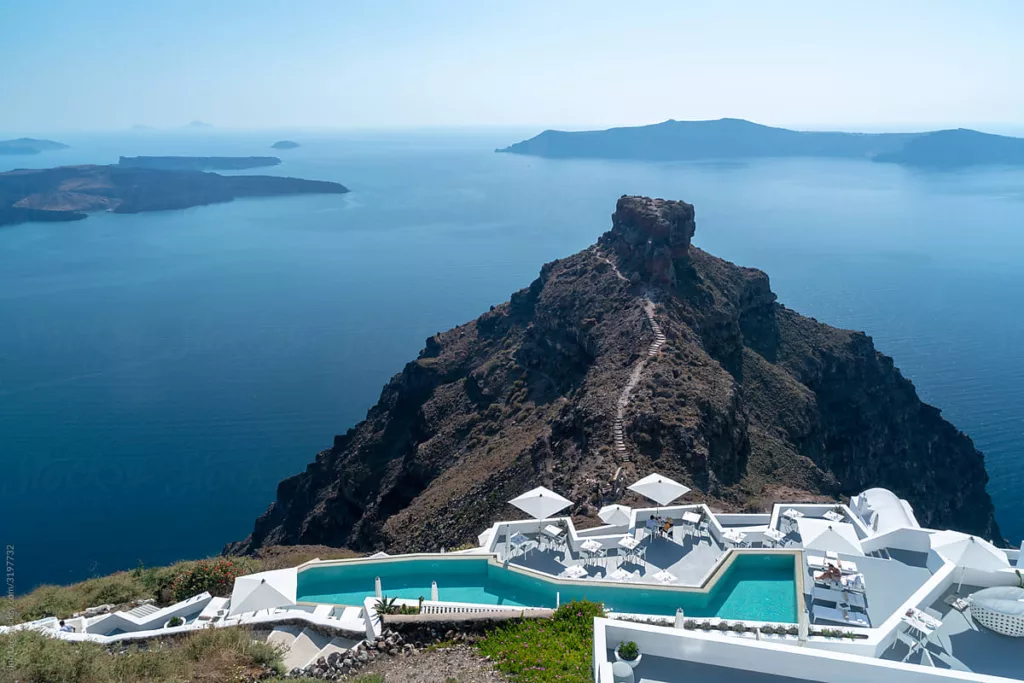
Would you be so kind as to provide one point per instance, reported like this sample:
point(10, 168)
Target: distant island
point(285, 144)
point(198, 163)
point(29, 146)
point(198, 124)
point(740, 139)
point(66, 193)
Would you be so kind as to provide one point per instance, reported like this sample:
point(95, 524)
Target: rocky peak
point(651, 238)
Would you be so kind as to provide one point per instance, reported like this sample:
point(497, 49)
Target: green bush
point(175, 621)
point(547, 650)
point(628, 650)
point(214, 576)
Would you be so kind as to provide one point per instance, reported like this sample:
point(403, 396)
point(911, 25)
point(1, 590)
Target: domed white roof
point(883, 511)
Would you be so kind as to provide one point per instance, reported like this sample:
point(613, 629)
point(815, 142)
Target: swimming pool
point(755, 587)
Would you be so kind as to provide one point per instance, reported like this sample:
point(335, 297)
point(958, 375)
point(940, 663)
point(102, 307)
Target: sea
point(160, 373)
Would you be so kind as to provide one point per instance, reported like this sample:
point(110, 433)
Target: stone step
point(305, 649)
point(283, 637)
point(143, 610)
point(339, 645)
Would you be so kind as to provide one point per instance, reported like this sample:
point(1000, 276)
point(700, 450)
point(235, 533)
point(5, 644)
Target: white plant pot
point(634, 663)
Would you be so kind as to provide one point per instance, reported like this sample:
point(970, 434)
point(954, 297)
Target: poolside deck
point(963, 645)
point(689, 561)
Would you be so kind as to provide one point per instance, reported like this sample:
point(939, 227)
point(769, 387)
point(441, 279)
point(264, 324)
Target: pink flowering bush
point(216, 576)
point(547, 650)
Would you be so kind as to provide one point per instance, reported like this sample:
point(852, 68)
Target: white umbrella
point(616, 515)
point(661, 490)
point(265, 590)
point(540, 503)
point(837, 537)
point(968, 552)
point(803, 627)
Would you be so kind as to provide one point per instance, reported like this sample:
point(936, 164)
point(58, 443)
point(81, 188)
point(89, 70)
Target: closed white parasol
point(540, 503)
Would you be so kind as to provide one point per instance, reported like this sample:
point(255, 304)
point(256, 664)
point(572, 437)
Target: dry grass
point(150, 582)
point(220, 655)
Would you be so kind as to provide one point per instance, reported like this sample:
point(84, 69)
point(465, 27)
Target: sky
point(110, 64)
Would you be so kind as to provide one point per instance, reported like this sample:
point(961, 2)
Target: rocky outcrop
point(746, 401)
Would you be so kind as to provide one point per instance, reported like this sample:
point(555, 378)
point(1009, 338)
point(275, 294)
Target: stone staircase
point(143, 610)
point(304, 646)
point(634, 377)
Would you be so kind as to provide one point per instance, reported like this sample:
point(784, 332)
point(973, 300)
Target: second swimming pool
point(755, 587)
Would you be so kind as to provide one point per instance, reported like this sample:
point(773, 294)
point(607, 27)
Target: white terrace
point(878, 597)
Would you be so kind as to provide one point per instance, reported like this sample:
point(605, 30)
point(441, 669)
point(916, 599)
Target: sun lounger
point(839, 616)
point(818, 562)
point(839, 597)
point(850, 582)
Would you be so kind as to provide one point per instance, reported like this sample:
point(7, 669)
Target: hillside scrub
point(207, 655)
point(157, 583)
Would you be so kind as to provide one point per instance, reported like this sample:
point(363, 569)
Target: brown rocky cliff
point(746, 401)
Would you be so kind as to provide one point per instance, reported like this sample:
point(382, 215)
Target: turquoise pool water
point(754, 587)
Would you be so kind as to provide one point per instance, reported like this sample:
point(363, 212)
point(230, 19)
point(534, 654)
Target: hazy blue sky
point(72, 64)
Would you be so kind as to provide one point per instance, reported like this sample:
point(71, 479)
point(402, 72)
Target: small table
point(834, 516)
point(592, 548)
point(734, 537)
point(620, 574)
point(774, 535)
point(924, 619)
point(664, 577)
point(793, 514)
point(574, 572)
point(553, 532)
point(691, 518)
point(629, 543)
point(518, 540)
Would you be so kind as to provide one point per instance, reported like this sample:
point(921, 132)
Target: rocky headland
point(70, 192)
point(640, 353)
point(198, 163)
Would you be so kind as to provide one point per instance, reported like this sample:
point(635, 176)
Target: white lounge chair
point(839, 616)
point(839, 597)
point(818, 562)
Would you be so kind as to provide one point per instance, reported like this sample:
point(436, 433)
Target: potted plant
point(385, 605)
point(629, 653)
point(174, 621)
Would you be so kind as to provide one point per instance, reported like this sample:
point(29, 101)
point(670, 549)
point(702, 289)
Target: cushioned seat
point(1000, 609)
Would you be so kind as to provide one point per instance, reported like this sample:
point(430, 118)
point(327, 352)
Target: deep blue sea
point(160, 373)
